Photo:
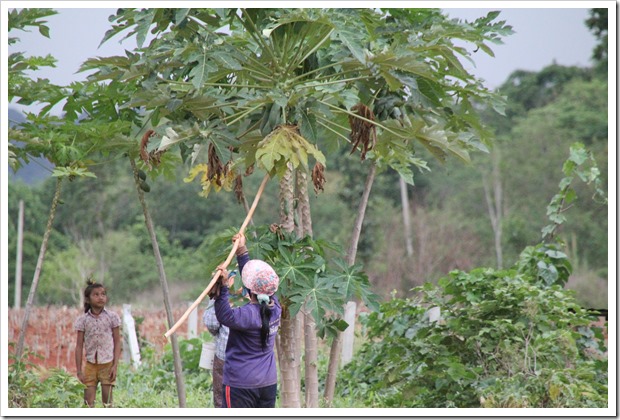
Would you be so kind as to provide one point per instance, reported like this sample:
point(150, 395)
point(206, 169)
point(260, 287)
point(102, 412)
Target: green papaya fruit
point(144, 186)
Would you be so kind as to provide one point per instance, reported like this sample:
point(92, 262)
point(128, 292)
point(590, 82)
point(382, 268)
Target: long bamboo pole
point(226, 263)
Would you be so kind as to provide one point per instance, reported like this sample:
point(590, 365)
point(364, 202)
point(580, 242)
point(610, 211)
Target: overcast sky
point(542, 36)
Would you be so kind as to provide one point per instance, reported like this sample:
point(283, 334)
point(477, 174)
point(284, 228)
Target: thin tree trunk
point(404, 198)
point(176, 355)
point(19, 256)
point(336, 348)
point(37, 272)
point(494, 205)
point(310, 337)
point(288, 355)
point(361, 212)
point(311, 361)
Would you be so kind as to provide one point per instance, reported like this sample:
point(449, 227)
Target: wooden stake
point(18, 261)
point(226, 263)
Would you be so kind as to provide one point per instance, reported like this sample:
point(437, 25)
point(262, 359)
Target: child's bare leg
point(89, 395)
point(106, 395)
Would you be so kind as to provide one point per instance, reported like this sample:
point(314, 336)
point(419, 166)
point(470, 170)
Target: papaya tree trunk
point(310, 338)
point(37, 271)
point(311, 361)
point(336, 347)
point(288, 356)
point(176, 355)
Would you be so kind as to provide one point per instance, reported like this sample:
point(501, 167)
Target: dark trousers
point(218, 373)
point(264, 397)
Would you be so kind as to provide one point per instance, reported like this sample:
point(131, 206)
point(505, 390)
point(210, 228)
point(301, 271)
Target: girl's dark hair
point(91, 284)
point(265, 316)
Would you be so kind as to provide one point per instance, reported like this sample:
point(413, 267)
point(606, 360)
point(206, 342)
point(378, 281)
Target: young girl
point(98, 332)
point(250, 375)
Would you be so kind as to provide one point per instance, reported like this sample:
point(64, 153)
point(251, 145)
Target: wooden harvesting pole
point(226, 263)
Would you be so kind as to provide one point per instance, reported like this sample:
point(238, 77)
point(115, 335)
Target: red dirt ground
point(50, 332)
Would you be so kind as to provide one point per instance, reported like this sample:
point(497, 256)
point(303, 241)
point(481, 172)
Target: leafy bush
point(59, 389)
point(22, 380)
point(34, 388)
point(509, 338)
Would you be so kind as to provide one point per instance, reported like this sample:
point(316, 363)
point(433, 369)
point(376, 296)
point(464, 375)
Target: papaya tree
point(91, 131)
point(64, 144)
point(235, 89)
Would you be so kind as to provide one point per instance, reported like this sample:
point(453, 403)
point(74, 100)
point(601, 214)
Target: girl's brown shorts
point(95, 373)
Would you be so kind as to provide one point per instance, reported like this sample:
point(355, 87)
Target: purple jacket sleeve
point(235, 318)
point(240, 318)
point(242, 260)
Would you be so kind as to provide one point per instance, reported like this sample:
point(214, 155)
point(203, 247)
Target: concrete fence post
point(131, 350)
point(348, 336)
point(192, 324)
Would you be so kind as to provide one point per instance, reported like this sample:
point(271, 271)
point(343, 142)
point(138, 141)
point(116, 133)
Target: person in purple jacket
point(250, 374)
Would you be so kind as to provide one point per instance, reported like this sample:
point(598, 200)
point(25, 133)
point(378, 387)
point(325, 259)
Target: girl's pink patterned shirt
point(98, 338)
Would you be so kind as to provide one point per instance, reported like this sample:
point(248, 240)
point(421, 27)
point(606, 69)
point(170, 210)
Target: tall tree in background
point(597, 22)
point(493, 195)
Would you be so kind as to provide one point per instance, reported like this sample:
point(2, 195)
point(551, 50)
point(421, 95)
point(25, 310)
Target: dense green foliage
point(505, 338)
point(30, 387)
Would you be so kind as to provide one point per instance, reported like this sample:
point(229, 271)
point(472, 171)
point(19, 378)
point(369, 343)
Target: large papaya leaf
point(200, 71)
point(435, 139)
point(394, 149)
point(352, 283)
point(321, 298)
point(353, 40)
point(388, 61)
point(308, 126)
point(294, 269)
point(285, 145)
point(297, 37)
point(202, 106)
